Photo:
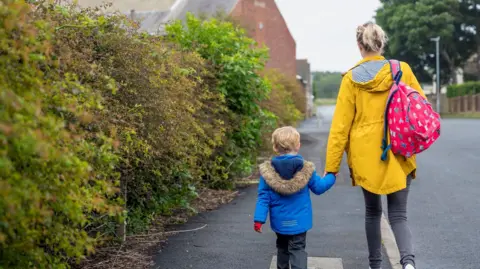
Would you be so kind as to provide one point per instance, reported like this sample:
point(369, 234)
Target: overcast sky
point(325, 30)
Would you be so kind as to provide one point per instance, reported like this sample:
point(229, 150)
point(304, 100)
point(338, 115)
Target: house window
point(259, 4)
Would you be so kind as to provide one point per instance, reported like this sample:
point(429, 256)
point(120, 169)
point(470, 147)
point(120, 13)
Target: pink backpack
point(409, 117)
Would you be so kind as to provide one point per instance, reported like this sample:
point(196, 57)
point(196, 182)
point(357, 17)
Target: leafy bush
point(159, 102)
point(281, 105)
point(54, 176)
point(237, 63)
point(99, 123)
point(326, 84)
point(471, 87)
point(286, 100)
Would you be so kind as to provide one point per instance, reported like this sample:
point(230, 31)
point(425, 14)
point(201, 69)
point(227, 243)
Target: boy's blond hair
point(285, 140)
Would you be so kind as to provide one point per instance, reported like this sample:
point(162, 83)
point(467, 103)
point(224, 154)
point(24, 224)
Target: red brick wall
point(253, 14)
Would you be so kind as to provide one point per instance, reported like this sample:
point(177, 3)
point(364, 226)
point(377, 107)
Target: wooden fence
point(463, 104)
point(444, 102)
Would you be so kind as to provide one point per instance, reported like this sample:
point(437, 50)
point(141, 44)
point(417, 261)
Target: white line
point(316, 263)
point(390, 244)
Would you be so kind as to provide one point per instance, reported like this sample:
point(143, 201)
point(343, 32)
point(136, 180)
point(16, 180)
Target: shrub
point(159, 102)
point(280, 103)
point(53, 174)
point(285, 100)
point(471, 87)
point(236, 62)
point(99, 122)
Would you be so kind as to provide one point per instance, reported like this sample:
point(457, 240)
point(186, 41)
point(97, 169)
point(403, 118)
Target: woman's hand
point(325, 173)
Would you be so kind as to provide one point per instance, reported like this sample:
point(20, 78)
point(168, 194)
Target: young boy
point(284, 192)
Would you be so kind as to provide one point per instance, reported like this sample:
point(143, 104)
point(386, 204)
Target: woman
point(357, 128)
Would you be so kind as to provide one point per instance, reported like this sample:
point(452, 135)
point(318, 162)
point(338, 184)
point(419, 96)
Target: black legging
point(397, 215)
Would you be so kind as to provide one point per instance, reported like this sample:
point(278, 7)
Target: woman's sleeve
point(341, 124)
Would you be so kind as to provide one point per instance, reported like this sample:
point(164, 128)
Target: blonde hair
point(371, 37)
point(285, 140)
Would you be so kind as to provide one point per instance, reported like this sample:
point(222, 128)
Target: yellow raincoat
point(358, 125)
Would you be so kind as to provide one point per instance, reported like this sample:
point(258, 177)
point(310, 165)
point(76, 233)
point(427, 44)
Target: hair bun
point(371, 37)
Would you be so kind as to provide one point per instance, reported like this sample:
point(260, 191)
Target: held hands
point(257, 226)
point(325, 173)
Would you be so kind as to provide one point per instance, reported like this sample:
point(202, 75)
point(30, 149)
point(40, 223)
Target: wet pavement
point(444, 212)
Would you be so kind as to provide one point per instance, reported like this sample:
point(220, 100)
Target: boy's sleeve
point(263, 202)
point(319, 185)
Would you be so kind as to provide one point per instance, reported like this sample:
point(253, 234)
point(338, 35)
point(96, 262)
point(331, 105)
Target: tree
point(412, 23)
point(470, 10)
point(326, 84)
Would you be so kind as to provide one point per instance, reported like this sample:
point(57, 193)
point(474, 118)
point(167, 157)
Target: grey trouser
point(291, 251)
point(397, 216)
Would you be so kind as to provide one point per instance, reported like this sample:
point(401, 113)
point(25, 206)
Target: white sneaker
point(409, 266)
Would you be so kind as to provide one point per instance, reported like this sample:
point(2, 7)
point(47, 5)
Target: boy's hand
point(325, 173)
point(257, 226)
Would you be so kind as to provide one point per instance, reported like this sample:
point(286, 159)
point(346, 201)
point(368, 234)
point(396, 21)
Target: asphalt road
point(444, 206)
point(444, 213)
point(228, 242)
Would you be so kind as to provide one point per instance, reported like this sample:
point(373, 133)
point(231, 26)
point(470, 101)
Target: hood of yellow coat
point(372, 74)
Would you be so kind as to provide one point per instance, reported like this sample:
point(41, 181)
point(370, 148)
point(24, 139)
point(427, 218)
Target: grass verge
point(467, 115)
point(324, 101)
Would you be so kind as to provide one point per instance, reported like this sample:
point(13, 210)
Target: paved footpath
point(444, 214)
point(337, 240)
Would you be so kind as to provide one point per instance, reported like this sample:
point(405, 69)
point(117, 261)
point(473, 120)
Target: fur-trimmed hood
point(286, 186)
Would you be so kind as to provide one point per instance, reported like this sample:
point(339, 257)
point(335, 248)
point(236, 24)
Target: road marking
point(316, 263)
point(390, 244)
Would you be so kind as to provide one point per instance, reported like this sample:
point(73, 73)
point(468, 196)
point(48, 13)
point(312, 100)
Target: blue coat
point(284, 192)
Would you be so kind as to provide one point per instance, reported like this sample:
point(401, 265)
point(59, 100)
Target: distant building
point(261, 18)
point(472, 67)
point(305, 74)
point(263, 21)
point(127, 5)
point(153, 14)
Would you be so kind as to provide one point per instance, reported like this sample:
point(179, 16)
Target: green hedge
point(471, 87)
point(237, 64)
point(286, 101)
point(160, 103)
point(100, 123)
point(56, 174)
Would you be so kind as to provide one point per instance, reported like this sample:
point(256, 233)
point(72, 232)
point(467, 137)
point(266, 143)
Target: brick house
point(261, 18)
point(305, 74)
point(264, 23)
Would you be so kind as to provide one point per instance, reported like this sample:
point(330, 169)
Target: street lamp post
point(437, 43)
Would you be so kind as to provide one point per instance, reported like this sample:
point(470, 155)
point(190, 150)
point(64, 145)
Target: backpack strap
point(397, 73)
point(396, 70)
